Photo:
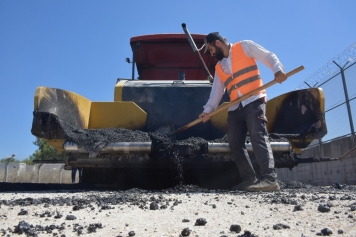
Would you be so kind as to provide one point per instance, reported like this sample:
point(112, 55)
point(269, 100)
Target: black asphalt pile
point(280, 226)
point(24, 227)
point(155, 201)
point(338, 186)
point(323, 208)
point(272, 138)
point(186, 232)
point(22, 212)
point(94, 140)
point(200, 222)
point(325, 232)
point(93, 227)
point(194, 146)
point(71, 217)
point(298, 208)
point(235, 228)
point(162, 146)
point(50, 126)
point(188, 188)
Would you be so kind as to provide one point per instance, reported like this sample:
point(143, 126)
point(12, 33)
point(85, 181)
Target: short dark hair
point(211, 38)
point(214, 36)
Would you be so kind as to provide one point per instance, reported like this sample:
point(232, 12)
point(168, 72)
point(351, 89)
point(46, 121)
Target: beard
point(219, 55)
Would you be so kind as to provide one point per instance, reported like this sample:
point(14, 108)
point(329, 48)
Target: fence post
point(347, 100)
point(61, 174)
point(39, 173)
point(6, 170)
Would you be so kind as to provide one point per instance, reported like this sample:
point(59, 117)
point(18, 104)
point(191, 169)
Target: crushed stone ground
point(297, 210)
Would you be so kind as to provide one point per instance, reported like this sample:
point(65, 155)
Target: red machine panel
point(164, 56)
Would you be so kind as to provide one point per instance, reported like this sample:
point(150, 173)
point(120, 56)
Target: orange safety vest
point(245, 74)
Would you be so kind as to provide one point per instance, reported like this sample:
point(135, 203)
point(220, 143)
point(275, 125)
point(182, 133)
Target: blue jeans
point(252, 119)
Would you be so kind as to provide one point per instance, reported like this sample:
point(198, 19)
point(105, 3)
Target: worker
point(236, 72)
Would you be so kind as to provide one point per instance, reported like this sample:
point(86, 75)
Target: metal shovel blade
point(167, 130)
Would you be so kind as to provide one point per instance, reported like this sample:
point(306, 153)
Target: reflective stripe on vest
point(244, 82)
point(245, 77)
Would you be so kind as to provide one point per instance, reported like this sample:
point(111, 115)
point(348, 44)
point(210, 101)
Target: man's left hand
point(280, 76)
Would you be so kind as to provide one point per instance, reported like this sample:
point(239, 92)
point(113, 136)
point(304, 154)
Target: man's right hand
point(280, 76)
point(204, 117)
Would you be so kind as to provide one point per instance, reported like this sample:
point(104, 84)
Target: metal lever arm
point(196, 51)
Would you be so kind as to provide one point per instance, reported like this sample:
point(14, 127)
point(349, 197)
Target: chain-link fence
point(338, 80)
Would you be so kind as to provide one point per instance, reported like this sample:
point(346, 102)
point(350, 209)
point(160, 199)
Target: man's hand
point(204, 117)
point(280, 76)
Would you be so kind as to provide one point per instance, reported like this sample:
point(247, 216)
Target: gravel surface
point(297, 210)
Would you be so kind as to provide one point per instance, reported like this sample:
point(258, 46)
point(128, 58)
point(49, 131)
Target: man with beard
point(237, 72)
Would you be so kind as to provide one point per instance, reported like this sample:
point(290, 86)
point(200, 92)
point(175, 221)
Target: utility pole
point(347, 100)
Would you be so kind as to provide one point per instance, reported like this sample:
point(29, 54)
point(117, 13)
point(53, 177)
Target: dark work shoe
point(243, 185)
point(264, 185)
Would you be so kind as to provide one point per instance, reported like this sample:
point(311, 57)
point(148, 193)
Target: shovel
point(168, 130)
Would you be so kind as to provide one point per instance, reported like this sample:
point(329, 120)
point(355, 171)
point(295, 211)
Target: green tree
point(44, 152)
point(27, 161)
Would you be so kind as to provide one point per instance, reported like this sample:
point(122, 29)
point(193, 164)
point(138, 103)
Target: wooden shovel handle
point(238, 100)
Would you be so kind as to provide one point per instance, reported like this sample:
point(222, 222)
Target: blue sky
point(81, 45)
